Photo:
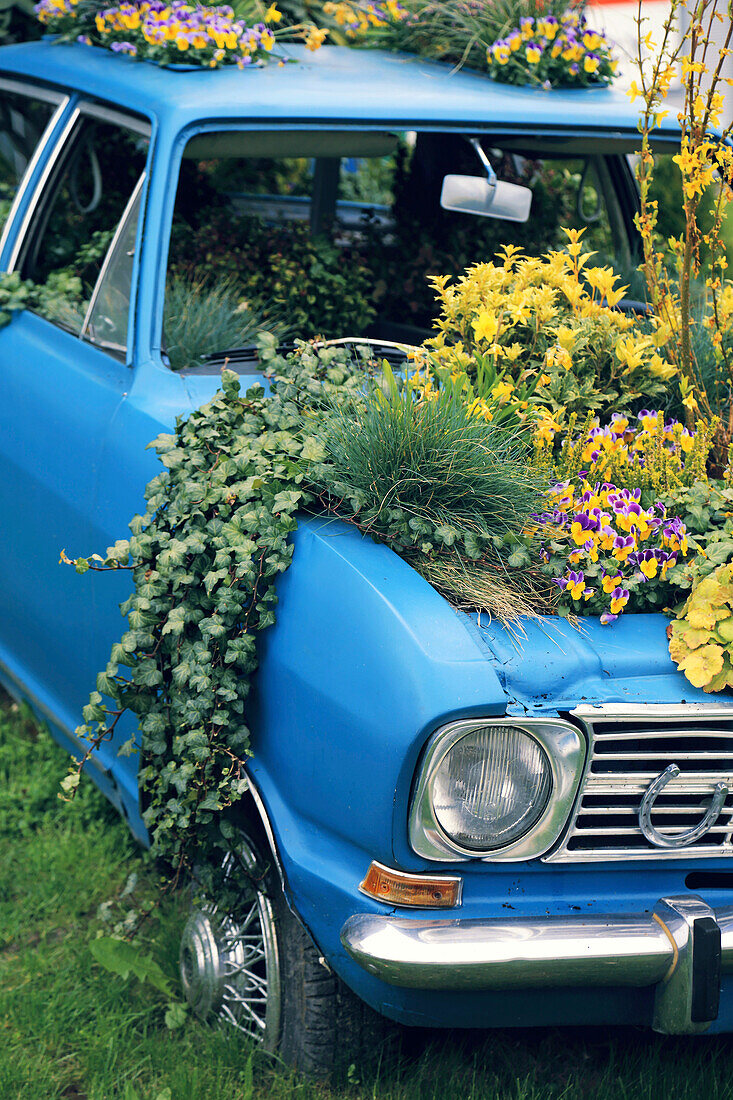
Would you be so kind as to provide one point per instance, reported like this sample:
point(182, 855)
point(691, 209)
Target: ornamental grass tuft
point(202, 319)
point(450, 491)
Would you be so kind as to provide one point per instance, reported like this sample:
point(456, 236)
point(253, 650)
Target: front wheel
point(260, 973)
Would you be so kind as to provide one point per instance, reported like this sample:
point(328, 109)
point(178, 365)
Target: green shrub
point(317, 287)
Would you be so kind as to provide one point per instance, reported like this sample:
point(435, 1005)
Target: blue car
point(448, 825)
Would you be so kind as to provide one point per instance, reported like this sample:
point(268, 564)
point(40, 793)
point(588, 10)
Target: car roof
point(331, 86)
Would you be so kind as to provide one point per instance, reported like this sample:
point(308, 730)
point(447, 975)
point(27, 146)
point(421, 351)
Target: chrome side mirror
point(487, 198)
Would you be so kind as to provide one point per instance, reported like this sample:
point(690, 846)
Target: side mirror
point(486, 197)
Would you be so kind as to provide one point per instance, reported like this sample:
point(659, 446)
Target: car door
point(64, 372)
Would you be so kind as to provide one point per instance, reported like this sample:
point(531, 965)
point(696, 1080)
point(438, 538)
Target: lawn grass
point(70, 1030)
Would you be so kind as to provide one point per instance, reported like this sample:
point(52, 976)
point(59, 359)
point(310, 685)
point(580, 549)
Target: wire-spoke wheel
point(259, 973)
point(230, 967)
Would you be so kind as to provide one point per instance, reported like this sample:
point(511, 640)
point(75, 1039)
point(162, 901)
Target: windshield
point(340, 234)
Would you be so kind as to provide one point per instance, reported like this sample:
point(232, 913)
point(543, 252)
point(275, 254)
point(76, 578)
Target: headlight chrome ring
point(496, 789)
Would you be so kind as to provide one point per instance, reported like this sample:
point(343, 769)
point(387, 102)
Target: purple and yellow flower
point(619, 599)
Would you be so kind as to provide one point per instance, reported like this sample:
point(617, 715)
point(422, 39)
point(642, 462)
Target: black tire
point(308, 1017)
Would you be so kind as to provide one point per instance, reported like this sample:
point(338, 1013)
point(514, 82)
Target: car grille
point(627, 750)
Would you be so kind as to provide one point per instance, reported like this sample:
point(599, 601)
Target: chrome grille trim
point(604, 823)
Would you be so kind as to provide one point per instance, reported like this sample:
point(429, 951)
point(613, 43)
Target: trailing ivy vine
point(204, 558)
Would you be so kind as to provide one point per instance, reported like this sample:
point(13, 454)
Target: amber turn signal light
point(401, 888)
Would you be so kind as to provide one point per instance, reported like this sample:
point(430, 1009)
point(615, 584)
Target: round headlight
point(491, 787)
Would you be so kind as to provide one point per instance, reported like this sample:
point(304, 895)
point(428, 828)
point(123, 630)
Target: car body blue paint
point(332, 85)
point(627, 661)
point(366, 660)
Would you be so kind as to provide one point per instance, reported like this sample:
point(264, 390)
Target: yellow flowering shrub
point(685, 48)
point(540, 334)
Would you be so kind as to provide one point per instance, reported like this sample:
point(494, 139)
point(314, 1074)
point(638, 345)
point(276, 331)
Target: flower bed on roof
point(551, 49)
point(175, 32)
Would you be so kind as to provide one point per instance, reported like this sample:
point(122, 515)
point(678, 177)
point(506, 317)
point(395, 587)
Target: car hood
point(550, 664)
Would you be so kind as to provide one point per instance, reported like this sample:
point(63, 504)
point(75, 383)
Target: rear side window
point(81, 249)
point(23, 120)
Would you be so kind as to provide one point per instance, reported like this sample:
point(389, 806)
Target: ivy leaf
point(147, 674)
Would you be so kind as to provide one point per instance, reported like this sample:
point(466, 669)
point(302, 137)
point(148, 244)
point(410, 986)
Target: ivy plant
point(204, 558)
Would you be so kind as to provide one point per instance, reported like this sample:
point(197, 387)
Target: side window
point(23, 120)
point(82, 247)
point(106, 321)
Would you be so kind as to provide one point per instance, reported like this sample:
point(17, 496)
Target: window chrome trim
point(41, 187)
point(33, 91)
point(116, 118)
point(565, 748)
point(121, 225)
point(7, 85)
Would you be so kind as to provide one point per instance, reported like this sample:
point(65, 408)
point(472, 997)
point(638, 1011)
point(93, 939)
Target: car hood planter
point(377, 707)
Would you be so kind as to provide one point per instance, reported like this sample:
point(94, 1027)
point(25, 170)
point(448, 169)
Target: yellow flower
point(273, 15)
point(649, 568)
point(618, 603)
point(513, 351)
point(485, 325)
point(558, 357)
point(590, 64)
point(315, 38)
point(576, 588)
point(502, 391)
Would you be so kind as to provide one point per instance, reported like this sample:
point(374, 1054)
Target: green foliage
point(204, 559)
point(706, 509)
point(320, 288)
point(131, 960)
point(448, 490)
point(59, 298)
point(425, 476)
point(202, 318)
point(701, 642)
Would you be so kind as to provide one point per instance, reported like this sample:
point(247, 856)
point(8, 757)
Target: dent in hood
point(550, 664)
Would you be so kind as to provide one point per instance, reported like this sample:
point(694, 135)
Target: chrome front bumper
point(681, 948)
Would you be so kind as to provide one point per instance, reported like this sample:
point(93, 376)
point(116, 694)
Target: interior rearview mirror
point(486, 196)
